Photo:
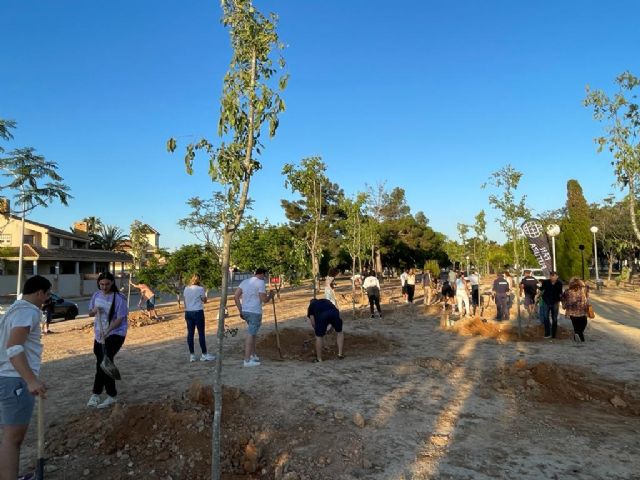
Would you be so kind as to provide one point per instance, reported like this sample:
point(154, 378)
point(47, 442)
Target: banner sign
point(537, 238)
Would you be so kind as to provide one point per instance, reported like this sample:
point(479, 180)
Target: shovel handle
point(40, 461)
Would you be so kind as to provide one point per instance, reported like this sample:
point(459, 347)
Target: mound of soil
point(562, 384)
point(505, 332)
point(299, 344)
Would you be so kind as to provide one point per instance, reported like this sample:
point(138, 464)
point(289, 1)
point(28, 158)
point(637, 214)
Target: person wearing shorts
point(20, 358)
point(148, 299)
point(249, 297)
point(529, 286)
point(321, 314)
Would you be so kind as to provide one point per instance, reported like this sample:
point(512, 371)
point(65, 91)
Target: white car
point(536, 273)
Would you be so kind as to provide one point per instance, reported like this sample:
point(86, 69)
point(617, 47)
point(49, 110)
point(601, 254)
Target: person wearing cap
point(321, 314)
point(551, 295)
point(529, 286)
point(249, 297)
point(501, 291)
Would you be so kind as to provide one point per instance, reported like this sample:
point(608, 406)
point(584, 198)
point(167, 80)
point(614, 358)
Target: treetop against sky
point(428, 96)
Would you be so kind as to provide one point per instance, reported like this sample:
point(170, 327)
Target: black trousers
point(579, 324)
point(374, 300)
point(411, 290)
point(102, 381)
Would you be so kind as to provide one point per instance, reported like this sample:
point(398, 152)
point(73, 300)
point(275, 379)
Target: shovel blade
point(108, 367)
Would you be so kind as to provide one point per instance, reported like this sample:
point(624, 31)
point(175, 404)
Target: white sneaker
point(255, 358)
point(207, 357)
point(251, 363)
point(94, 400)
point(107, 402)
point(192, 358)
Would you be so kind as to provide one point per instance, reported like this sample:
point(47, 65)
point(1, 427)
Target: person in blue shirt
point(321, 314)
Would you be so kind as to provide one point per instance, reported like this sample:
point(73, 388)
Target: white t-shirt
point(403, 278)
point(371, 282)
point(21, 314)
point(193, 295)
point(251, 290)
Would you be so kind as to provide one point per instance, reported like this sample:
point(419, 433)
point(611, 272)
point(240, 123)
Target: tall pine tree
point(574, 231)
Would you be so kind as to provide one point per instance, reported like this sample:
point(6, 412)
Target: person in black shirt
point(322, 313)
point(501, 290)
point(529, 286)
point(551, 294)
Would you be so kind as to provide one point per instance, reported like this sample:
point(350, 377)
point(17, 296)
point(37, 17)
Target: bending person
point(372, 286)
point(321, 314)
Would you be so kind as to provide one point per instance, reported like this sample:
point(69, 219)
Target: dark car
point(63, 308)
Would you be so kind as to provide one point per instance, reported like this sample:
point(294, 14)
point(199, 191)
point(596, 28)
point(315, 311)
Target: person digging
point(321, 314)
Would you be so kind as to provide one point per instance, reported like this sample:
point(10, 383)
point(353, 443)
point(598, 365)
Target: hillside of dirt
point(421, 394)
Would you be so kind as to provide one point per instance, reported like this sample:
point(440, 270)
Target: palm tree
point(110, 237)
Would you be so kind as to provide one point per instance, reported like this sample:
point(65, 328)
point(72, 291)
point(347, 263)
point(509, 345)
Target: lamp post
point(467, 265)
point(581, 247)
point(553, 231)
point(594, 230)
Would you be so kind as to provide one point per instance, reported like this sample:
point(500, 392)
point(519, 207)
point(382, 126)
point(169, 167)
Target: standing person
point(20, 358)
point(529, 286)
point(321, 314)
point(462, 295)
point(403, 284)
point(512, 286)
point(474, 281)
point(448, 294)
point(411, 285)
point(47, 310)
point(551, 294)
point(194, 299)
point(329, 286)
point(427, 283)
point(109, 307)
point(372, 286)
point(148, 299)
point(575, 300)
point(249, 297)
point(501, 291)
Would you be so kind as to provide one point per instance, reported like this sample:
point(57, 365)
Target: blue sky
point(428, 96)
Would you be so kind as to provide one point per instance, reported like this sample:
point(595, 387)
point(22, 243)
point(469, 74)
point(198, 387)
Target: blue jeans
point(550, 328)
point(195, 319)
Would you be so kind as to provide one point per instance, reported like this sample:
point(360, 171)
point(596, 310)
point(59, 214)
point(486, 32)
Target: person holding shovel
point(249, 297)
point(321, 314)
point(109, 307)
point(20, 358)
point(148, 299)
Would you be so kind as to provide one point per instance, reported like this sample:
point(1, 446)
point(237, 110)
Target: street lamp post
point(581, 247)
point(467, 265)
point(553, 231)
point(594, 230)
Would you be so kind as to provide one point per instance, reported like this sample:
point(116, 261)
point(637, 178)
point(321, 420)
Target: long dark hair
point(113, 289)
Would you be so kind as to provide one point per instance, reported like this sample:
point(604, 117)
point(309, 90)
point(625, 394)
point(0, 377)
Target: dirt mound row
point(562, 384)
point(162, 439)
point(299, 344)
point(505, 332)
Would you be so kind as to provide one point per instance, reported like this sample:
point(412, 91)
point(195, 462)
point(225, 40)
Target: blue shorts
point(254, 320)
point(151, 303)
point(16, 403)
point(331, 317)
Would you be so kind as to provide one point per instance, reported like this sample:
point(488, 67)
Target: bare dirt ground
point(414, 398)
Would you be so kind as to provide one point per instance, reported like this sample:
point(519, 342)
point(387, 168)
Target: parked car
point(63, 308)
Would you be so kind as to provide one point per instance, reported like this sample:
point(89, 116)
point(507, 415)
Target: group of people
point(543, 300)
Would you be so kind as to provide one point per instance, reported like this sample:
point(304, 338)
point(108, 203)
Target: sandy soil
point(414, 398)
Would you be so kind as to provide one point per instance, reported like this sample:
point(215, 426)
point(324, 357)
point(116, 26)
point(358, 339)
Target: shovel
point(40, 461)
point(107, 365)
point(275, 319)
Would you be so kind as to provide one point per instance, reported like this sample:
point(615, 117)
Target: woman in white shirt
point(194, 299)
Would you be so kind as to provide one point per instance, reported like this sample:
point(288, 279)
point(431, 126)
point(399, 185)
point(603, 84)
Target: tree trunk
point(353, 286)
point(632, 205)
point(610, 259)
point(216, 472)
